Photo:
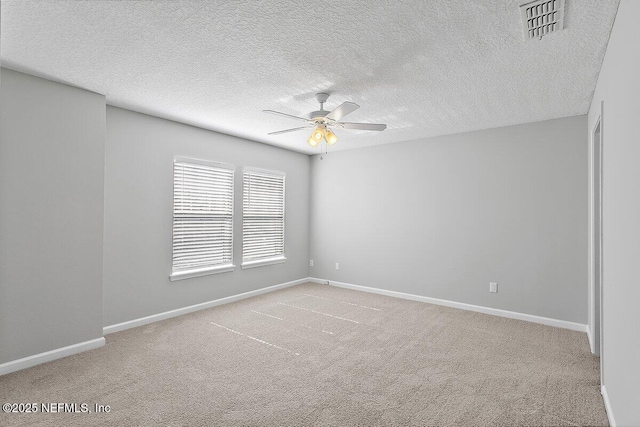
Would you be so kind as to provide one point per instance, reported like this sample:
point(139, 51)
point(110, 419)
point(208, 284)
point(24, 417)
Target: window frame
point(279, 258)
point(214, 269)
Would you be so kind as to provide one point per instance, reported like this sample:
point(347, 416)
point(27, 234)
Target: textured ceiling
point(424, 68)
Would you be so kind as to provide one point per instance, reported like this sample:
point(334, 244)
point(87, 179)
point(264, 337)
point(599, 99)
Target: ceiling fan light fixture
point(312, 142)
point(318, 134)
point(331, 137)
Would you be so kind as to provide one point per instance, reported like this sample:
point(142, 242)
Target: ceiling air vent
point(542, 17)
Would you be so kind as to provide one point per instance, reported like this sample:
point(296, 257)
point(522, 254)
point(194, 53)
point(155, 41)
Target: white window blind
point(202, 217)
point(262, 216)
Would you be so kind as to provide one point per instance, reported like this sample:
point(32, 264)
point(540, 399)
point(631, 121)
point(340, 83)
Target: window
point(202, 218)
point(262, 217)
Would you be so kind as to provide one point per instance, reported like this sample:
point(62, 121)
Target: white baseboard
point(48, 356)
point(463, 306)
point(607, 406)
point(197, 307)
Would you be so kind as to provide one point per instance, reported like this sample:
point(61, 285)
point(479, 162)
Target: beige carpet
point(320, 355)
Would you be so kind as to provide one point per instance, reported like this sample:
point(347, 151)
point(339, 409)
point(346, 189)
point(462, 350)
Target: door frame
point(596, 283)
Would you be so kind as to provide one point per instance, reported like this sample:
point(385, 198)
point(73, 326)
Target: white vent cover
point(542, 17)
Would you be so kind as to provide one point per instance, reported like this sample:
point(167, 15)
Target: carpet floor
point(320, 355)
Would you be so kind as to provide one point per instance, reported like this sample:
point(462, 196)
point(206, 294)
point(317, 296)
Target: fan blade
point(361, 126)
point(286, 115)
point(342, 110)
point(289, 130)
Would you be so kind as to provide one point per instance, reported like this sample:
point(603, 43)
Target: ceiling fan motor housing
point(321, 113)
point(318, 115)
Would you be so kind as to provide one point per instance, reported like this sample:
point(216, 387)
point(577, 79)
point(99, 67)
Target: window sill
point(181, 275)
point(263, 262)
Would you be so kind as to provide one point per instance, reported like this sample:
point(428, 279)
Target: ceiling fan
point(324, 120)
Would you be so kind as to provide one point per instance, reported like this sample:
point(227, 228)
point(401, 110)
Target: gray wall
point(619, 88)
point(442, 217)
point(51, 215)
point(138, 215)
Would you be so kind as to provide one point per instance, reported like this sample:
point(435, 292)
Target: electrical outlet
point(310, 263)
point(337, 266)
point(493, 287)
